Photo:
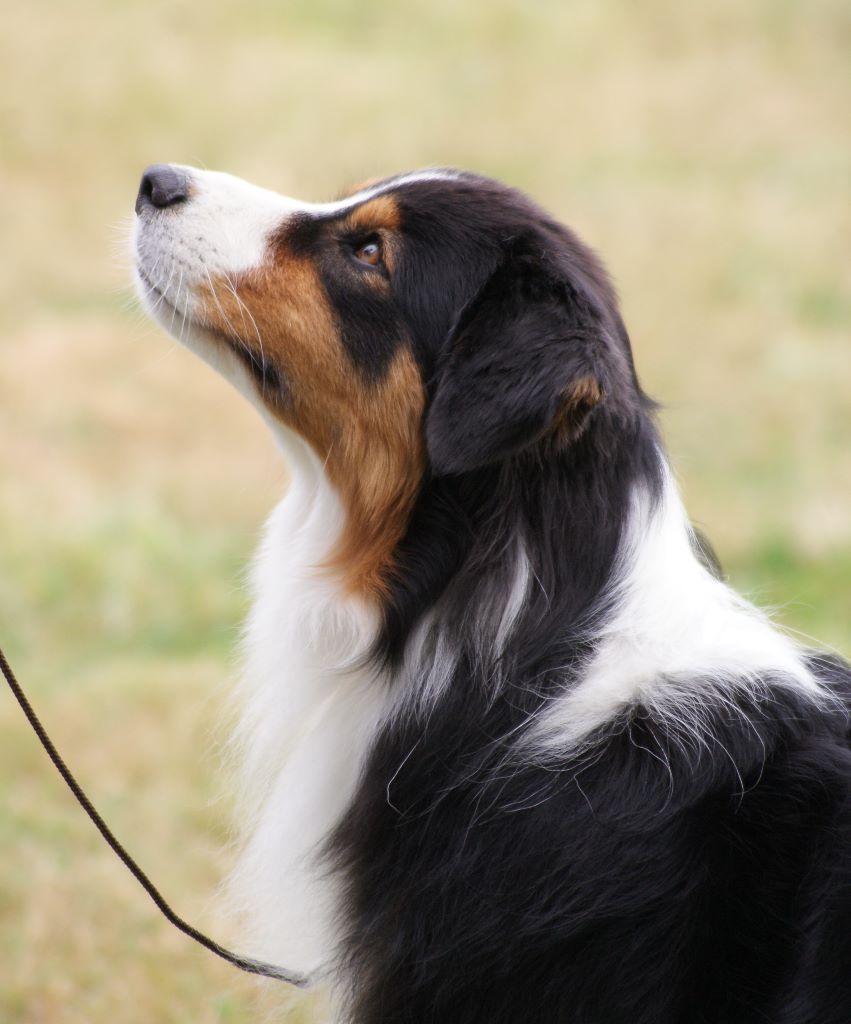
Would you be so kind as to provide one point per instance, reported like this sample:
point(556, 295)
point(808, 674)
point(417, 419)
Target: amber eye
point(369, 253)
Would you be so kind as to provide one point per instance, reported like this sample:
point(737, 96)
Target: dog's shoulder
point(654, 828)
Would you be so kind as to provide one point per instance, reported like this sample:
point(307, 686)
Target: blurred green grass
point(702, 148)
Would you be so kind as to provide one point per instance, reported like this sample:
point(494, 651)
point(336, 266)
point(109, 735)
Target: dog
point(510, 748)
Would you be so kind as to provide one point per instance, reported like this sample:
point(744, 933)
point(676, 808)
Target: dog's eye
point(369, 253)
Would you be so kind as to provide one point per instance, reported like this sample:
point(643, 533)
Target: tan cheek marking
point(369, 434)
point(378, 465)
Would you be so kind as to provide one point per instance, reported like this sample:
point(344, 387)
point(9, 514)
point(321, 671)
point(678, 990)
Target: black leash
point(242, 962)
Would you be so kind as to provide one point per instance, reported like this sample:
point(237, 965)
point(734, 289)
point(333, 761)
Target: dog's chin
point(171, 317)
point(175, 319)
point(210, 345)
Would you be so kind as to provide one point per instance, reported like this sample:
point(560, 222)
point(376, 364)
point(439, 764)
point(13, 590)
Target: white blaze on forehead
point(241, 217)
point(225, 227)
point(229, 221)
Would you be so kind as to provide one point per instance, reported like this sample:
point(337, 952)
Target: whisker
point(242, 306)
point(215, 295)
point(174, 304)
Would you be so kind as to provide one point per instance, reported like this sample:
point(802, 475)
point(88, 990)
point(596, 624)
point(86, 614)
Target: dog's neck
point(534, 563)
point(512, 632)
point(547, 524)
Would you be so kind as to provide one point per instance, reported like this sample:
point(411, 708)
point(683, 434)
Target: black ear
point(525, 361)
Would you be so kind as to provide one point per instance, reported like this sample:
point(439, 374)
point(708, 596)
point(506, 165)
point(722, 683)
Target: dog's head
point(424, 326)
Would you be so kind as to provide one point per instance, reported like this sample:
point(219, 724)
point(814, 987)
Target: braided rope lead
point(242, 962)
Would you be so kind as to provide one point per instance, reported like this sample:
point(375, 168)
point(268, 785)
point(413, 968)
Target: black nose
point(162, 185)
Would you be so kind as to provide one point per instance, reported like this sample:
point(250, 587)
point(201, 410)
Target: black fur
point(652, 877)
point(650, 880)
point(510, 362)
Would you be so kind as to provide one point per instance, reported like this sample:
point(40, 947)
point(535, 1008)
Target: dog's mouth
point(179, 321)
point(158, 296)
point(148, 287)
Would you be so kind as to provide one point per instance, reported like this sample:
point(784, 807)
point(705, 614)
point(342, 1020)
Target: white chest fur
point(305, 719)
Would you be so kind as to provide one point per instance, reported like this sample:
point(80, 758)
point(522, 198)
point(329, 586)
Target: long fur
point(552, 769)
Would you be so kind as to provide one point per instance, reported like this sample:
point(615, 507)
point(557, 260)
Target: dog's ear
point(523, 363)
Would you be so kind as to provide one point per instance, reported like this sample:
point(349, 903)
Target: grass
point(700, 147)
